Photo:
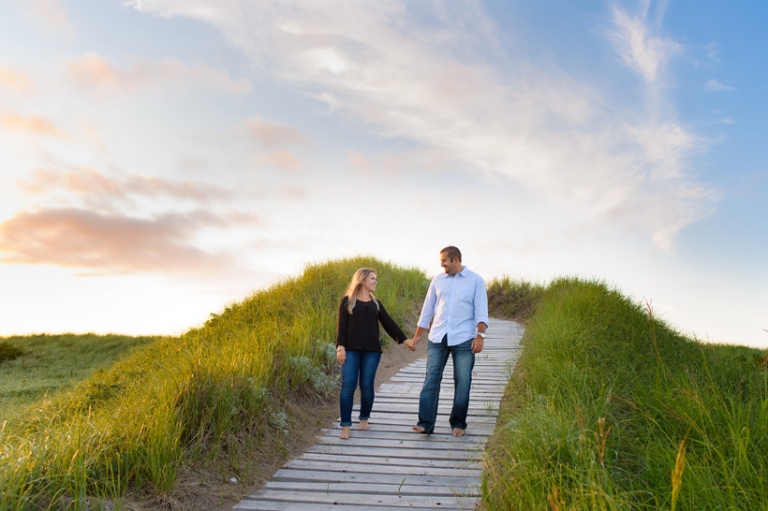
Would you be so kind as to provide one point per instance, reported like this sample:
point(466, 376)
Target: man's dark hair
point(452, 253)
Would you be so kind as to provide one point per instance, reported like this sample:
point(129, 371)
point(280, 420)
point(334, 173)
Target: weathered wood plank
point(401, 434)
point(442, 415)
point(372, 468)
point(441, 502)
point(476, 444)
point(266, 505)
point(436, 454)
point(400, 488)
point(444, 477)
point(362, 460)
point(406, 422)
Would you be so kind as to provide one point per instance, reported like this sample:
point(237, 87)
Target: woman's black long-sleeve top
point(359, 331)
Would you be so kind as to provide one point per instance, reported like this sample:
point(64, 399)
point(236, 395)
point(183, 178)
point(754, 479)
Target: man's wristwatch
point(481, 334)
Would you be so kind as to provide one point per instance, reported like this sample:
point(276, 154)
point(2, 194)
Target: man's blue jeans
point(360, 366)
point(463, 363)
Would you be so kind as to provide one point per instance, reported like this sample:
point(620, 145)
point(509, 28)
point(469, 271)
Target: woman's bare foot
point(458, 432)
point(364, 425)
point(419, 429)
point(344, 433)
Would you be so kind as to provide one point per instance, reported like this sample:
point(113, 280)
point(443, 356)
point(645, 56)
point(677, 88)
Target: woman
point(357, 345)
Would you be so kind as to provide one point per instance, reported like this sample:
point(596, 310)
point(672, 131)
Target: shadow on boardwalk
point(389, 467)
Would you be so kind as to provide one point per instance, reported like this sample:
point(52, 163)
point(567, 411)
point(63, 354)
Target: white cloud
point(638, 47)
point(429, 83)
point(51, 15)
point(715, 86)
point(94, 72)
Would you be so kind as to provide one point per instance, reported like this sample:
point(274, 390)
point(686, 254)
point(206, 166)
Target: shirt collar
point(462, 273)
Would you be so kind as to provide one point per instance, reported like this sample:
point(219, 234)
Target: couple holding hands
point(457, 307)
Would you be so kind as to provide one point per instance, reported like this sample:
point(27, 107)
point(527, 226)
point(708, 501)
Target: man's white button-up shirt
point(457, 303)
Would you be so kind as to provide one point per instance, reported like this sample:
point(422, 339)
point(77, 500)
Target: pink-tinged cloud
point(110, 244)
point(15, 81)
point(52, 15)
point(35, 125)
point(96, 185)
point(93, 72)
point(359, 162)
point(282, 160)
point(83, 181)
point(275, 135)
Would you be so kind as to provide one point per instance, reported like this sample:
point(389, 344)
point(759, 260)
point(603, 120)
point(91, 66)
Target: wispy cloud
point(110, 243)
point(51, 15)
point(15, 81)
point(273, 138)
point(639, 48)
point(35, 124)
point(94, 72)
point(715, 86)
point(282, 160)
point(429, 81)
point(275, 135)
point(93, 184)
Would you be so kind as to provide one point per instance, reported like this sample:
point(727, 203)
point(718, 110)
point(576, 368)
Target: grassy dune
point(609, 408)
point(218, 395)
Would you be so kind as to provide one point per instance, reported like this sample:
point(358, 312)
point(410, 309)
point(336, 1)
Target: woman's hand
point(341, 354)
point(410, 344)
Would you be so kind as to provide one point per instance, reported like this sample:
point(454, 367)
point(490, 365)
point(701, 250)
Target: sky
point(162, 159)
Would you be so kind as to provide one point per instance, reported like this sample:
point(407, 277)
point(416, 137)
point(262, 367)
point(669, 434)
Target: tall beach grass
point(609, 408)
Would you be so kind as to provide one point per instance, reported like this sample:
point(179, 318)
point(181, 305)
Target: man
point(457, 305)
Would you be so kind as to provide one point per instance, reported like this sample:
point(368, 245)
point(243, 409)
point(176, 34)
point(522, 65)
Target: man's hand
point(410, 344)
point(477, 344)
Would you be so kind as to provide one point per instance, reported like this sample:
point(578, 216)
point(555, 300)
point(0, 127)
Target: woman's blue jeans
point(463, 363)
point(360, 366)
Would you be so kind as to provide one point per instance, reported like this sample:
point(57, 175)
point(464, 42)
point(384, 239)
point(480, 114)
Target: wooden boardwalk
point(389, 467)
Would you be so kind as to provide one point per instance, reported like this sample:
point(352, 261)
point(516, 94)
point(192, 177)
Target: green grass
point(220, 395)
point(609, 408)
point(35, 366)
point(513, 299)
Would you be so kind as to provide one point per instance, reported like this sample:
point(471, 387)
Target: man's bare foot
point(419, 429)
point(344, 433)
point(458, 432)
point(364, 425)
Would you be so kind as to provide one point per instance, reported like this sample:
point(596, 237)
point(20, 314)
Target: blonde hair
point(354, 287)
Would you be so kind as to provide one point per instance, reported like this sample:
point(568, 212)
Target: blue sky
point(162, 159)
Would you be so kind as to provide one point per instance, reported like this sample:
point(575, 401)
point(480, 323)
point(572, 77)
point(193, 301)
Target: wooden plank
point(411, 408)
point(443, 454)
point(463, 443)
point(372, 468)
point(266, 505)
point(442, 414)
point(285, 474)
point(442, 502)
point(405, 425)
point(403, 487)
point(362, 460)
point(402, 434)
